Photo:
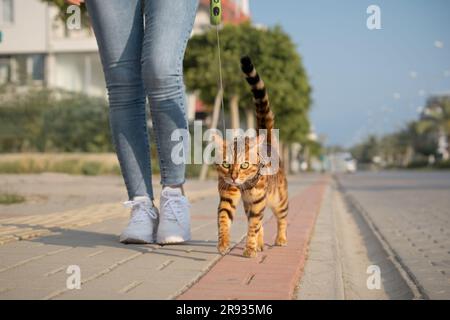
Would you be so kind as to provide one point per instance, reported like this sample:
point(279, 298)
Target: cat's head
point(238, 160)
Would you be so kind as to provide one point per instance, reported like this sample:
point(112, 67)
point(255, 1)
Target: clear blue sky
point(361, 78)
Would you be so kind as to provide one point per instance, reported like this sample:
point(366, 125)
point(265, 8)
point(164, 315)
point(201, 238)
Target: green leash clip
point(215, 12)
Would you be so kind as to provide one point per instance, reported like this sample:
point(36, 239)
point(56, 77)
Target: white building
point(37, 49)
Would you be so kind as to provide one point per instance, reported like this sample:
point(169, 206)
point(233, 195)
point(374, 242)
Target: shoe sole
point(135, 241)
point(173, 240)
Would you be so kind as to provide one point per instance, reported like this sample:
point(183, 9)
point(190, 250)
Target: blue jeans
point(142, 45)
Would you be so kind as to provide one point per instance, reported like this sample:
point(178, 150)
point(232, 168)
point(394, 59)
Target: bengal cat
point(241, 179)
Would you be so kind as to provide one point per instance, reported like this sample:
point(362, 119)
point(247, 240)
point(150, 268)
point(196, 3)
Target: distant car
point(350, 165)
point(342, 162)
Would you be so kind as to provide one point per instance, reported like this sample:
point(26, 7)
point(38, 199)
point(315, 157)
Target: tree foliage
point(414, 143)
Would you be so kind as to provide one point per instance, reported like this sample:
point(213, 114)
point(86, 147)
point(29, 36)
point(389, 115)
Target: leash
point(216, 20)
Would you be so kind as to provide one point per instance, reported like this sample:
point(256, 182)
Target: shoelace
point(139, 210)
point(175, 204)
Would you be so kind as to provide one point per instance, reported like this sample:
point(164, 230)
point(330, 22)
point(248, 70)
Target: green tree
point(367, 150)
point(412, 145)
point(434, 123)
point(397, 148)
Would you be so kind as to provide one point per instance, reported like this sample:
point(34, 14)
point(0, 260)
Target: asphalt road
point(411, 211)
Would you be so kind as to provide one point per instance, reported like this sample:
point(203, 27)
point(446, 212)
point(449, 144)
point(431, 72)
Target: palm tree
point(435, 123)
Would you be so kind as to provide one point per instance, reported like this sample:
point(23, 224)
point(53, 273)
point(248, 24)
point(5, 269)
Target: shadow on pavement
point(89, 239)
point(393, 282)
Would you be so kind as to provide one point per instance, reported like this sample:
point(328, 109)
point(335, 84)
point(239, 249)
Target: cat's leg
point(280, 210)
point(229, 199)
point(255, 233)
point(260, 245)
point(260, 235)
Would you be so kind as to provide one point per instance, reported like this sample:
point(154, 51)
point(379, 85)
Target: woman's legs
point(168, 25)
point(140, 53)
point(118, 26)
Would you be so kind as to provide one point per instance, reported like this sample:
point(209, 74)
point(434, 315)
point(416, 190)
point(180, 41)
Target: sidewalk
point(37, 250)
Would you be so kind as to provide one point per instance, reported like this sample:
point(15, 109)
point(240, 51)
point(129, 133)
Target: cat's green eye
point(244, 165)
point(225, 164)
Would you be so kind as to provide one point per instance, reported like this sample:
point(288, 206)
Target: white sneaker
point(175, 221)
point(143, 221)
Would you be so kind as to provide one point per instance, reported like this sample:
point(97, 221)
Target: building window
point(37, 67)
point(29, 69)
point(7, 11)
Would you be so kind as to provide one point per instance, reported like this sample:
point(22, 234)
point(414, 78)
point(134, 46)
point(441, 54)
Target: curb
point(275, 273)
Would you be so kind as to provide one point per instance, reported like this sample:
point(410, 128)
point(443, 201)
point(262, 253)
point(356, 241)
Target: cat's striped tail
point(264, 115)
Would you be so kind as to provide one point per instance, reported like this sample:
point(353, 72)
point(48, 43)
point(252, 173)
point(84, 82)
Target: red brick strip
point(275, 273)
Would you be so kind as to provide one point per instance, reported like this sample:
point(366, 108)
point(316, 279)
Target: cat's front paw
point(249, 253)
point(260, 246)
point(222, 248)
point(281, 241)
